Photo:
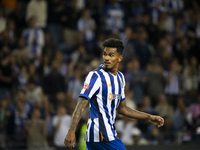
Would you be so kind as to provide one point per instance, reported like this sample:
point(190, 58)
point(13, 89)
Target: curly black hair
point(114, 43)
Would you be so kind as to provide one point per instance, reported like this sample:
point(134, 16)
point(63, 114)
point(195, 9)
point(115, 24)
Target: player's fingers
point(68, 143)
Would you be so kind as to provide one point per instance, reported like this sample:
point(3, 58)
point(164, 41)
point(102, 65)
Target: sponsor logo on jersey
point(114, 96)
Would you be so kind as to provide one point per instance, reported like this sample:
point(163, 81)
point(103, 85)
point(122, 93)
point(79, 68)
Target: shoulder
point(121, 75)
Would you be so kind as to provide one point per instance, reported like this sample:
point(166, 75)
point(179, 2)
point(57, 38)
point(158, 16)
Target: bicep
point(121, 106)
point(82, 102)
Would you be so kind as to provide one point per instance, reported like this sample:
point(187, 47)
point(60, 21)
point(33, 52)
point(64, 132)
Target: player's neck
point(113, 71)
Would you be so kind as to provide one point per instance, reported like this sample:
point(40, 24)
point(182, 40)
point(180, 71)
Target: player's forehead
point(110, 50)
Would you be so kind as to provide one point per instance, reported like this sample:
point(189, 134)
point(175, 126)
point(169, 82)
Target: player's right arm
point(70, 138)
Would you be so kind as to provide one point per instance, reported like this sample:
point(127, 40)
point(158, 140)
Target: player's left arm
point(132, 113)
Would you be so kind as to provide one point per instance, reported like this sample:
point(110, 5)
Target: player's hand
point(70, 139)
point(156, 120)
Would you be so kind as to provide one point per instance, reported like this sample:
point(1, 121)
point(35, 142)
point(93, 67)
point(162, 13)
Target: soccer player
point(104, 91)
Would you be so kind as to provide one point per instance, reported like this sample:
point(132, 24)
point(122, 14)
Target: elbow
point(120, 111)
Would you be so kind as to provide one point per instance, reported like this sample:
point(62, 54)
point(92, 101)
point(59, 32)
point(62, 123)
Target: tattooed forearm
point(131, 113)
point(131, 110)
point(82, 103)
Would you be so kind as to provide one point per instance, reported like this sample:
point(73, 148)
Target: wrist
point(71, 130)
point(149, 116)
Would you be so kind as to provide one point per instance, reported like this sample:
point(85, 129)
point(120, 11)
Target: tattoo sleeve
point(131, 113)
point(77, 114)
point(128, 109)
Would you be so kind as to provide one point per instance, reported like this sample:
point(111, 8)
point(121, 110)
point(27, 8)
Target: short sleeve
point(91, 85)
point(123, 88)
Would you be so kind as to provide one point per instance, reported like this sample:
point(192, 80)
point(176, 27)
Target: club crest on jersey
point(86, 86)
point(122, 85)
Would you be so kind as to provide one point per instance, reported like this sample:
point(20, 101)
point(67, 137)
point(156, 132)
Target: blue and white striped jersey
point(104, 92)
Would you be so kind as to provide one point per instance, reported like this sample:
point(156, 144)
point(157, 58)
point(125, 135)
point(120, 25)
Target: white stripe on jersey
point(88, 129)
point(108, 95)
point(94, 88)
point(108, 127)
point(116, 91)
point(96, 130)
point(123, 89)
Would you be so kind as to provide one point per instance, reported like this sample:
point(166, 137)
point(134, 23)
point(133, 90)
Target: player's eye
point(112, 55)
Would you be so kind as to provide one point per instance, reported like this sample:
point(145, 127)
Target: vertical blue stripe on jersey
point(93, 108)
point(104, 99)
point(92, 133)
point(102, 127)
point(113, 92)
point(92, 82)
point(121, 77)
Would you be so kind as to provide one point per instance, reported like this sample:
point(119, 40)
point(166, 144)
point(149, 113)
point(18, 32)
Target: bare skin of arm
point(132, 113)
point(70, 138)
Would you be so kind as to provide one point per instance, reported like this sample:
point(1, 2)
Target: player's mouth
point(106, 63)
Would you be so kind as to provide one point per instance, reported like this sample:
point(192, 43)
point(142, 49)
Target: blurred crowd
point(48, 47)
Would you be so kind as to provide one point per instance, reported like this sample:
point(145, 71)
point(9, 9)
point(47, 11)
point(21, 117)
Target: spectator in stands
point(172, 87)
point(137, 138)
point(75, 85)
point(155, 137)
point(38, 9)
point(155, 77)
point(179, 119)
point(2, 21)
point(21, 54)
point(34, 93)
point(36, 131)
point(18, 16)
point(86, 26)
point(11, 34)
point(32, 73)
point(168, 131)
point(54, 82)
point(27, 106)
point(137, 80)
point(142, 49)
point(61, 123)
point(124, 128)
point(146, 105)
point(44, 68)
point(16, 129)
point(5, 72)
point(23, 77)
point(34, 38)
point(163, 108)
point(113, 16)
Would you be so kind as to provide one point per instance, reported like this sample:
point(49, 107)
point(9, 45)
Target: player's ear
point(120, 58)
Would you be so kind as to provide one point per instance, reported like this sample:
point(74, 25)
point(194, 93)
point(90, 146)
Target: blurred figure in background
point(86, 26)
point(36, 131)
point(163, 108)
point(54, 82)
point(172, 87)
point(34, 93)
point(61, 123)
point(34, 39)
point(5, 72)
point(38, 9)
point(137, 138)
